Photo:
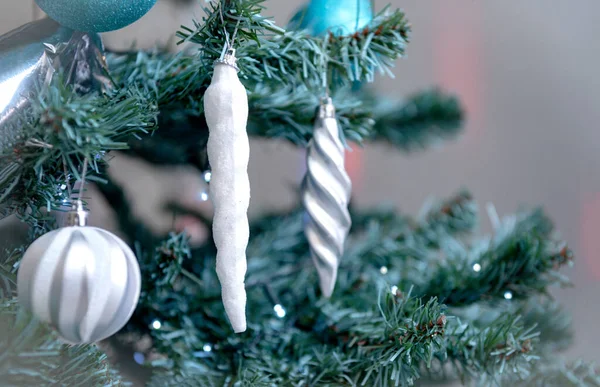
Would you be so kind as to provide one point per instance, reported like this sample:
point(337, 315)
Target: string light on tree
point(156, 325)
point(476, 267)
point(279, 311)
point(508, 295)
point(207, 176)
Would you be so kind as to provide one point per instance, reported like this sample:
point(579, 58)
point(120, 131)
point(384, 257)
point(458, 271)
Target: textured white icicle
point(226, 110)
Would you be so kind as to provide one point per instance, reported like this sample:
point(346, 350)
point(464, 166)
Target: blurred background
point(527, 73)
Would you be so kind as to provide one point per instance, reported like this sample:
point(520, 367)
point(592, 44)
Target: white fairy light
point(207, 348)
point(204, 196)
point(207, 176)
point(508, 295)
point(477, 268)
point(383, 270)
point(279, 311)
point(395, 290)
point(156, 324)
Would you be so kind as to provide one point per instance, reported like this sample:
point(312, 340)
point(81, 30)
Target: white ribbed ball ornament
point(83, 281)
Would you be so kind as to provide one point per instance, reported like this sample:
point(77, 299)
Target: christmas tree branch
point(66, 124)
point(61, 129)
point(406, 248)
point(287, 112)
point(33, 356)
point(551, 320)
point(552, 323)
point(269, 53)
point(521, 260)
point(425, 119)
point(282, 60)
point(503, 347)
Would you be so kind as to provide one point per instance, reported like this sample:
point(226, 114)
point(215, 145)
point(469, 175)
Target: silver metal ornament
point(29, 57)
point(83, 281)
point(326, 192)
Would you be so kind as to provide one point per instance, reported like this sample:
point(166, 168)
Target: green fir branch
point(172, 80)
point(66, 124)
point(425, 119)
point(500, 349)
point(287, 112)
point(551, 320)
point(269, 53)
point(349, 338)
point(522, 260)
point(31, 355)
point(61, 129)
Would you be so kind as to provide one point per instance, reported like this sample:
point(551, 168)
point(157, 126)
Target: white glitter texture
point(226, 110)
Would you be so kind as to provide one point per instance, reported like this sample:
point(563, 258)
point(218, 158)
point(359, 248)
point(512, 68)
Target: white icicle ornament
point(226, 110)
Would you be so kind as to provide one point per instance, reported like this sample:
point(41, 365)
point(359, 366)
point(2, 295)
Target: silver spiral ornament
point(326, 192)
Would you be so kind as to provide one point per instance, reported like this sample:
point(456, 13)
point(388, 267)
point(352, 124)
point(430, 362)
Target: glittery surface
point(96, 15)
point(341, 17)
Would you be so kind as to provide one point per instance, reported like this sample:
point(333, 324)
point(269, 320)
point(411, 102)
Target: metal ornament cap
point(83, 281)
point(78, 216)
point(326, 109)
point(229, 59)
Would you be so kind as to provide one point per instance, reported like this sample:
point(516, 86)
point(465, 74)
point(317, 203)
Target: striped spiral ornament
point(326, 192)
point(83, 281)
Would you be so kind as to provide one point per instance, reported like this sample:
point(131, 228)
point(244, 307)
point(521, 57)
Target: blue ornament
point(96, 15)
point(341, 17)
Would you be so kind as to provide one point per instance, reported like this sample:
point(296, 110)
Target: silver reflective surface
point(326, 193)
point(29, 58)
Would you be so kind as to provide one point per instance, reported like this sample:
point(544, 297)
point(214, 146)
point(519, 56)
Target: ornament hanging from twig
point(226, 110)
point(83, 281)
point(326, 194)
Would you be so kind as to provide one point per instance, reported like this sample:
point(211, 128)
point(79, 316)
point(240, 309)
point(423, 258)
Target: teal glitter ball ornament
point(96, 15)
point(340, 17)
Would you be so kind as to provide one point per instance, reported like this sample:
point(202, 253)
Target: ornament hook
point(78, 216)
point(327, 109)
point(228, 53)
